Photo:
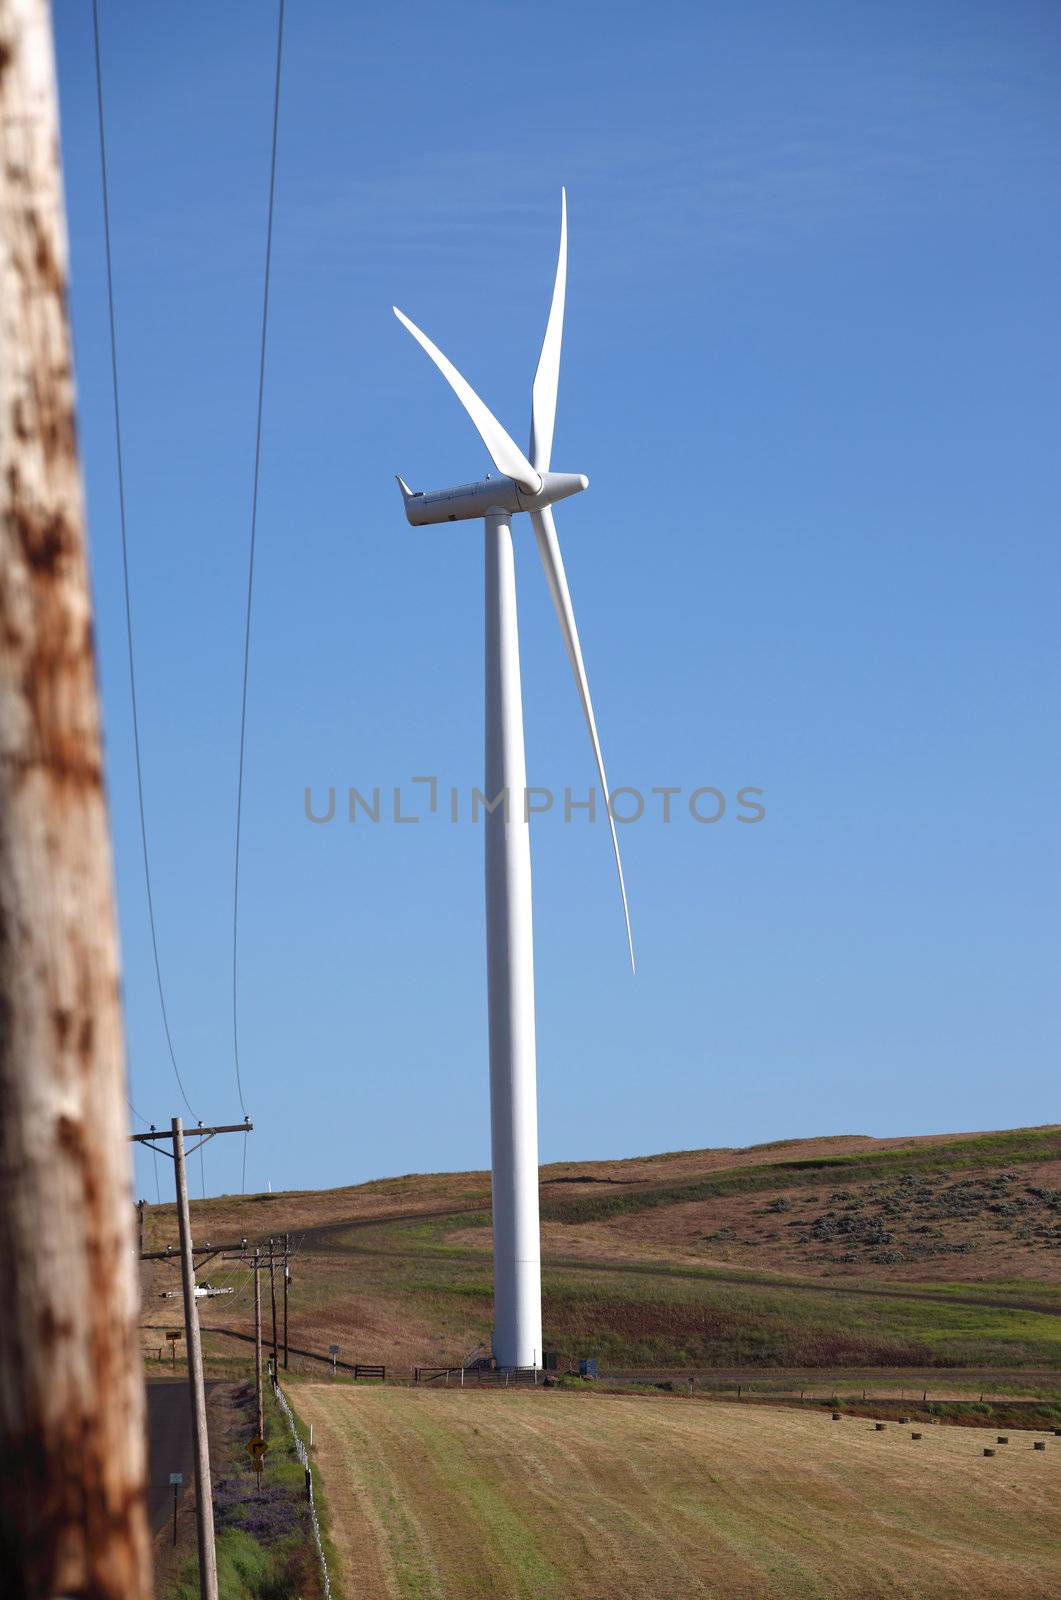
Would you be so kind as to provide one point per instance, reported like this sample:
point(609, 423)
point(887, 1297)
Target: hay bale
point(836, 1416)
point(879, 1427)
point(917, 1436)
point(1038, 1444)
point(1003, 1438)
point(989, 1452)
point(904, 1419)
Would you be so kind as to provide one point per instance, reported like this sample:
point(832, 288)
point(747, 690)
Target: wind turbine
point(530, 486)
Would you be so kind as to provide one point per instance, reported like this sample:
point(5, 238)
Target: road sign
point(333, 1349)
point(174, 1333)
point(176, 1479)
point(257, 1447)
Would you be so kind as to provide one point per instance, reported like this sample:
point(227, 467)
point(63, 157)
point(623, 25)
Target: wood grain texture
point(72, 1511)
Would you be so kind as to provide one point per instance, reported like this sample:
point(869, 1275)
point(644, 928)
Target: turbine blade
point(547, 377)
point(503, 450)
point(553, 562)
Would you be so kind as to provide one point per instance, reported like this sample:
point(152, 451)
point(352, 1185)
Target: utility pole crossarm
point(201, 1134)
point(235, 1127)
point(247, 1259)
point(172, 1251)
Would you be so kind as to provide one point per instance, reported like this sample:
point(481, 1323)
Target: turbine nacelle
point(473, 500)
point(525, 484)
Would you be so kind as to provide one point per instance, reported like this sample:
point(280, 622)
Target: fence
point(493, 1377)
point(303, 1456)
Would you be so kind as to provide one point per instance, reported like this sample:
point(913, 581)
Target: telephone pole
point(258, 1344)
point(272, 1296)
point(204, 1501)
point(257, 1264)
point(204, 1498)
point(73, 1517)
point(287, 1279)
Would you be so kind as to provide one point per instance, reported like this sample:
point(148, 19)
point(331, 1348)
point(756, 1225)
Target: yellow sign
point(257, 1448)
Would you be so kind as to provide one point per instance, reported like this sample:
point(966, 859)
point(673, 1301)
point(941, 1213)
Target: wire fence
point(303, 1456)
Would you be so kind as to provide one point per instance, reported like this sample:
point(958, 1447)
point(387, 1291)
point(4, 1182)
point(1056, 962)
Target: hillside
point(835, 1253)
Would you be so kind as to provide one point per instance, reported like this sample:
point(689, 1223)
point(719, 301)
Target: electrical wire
point(125, 559)
point(250, 570)
point(138, 1118)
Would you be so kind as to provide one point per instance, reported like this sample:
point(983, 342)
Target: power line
point(125, 559)
point(250, 572)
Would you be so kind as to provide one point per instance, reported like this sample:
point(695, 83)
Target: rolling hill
point(824, 1255)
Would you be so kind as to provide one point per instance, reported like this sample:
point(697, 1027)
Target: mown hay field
point(465, 1495)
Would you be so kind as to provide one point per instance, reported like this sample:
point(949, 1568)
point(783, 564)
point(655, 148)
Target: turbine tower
point(524, 486)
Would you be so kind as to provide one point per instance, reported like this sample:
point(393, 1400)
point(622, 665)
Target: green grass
point(643, 1316)
point(245, 1571)
point(684, 1322)
point(514, 1533)
point(645, 1313)
point(275, 1561)
point(987, 1150)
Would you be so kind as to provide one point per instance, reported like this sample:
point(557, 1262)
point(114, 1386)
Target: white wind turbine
point(524, 486)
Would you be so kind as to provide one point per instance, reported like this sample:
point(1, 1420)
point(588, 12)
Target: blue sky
point(810, 367)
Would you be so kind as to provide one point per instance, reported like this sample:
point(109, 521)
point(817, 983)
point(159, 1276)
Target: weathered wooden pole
point(204, 1494)
point(287, 1280)
point(272, 1297)
point(72, 1457)
point(258, 1344)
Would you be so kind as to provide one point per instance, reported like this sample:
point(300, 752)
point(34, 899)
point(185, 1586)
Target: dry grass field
point(465, 1495)
point(827, 1254)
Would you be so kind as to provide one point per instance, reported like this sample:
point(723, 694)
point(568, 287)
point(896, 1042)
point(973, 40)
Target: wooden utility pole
point(204, 1501)
point(204, 1495)
point(258, 1344)
point(272, 1296)
point(73, 1517)
point(287, 1279)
